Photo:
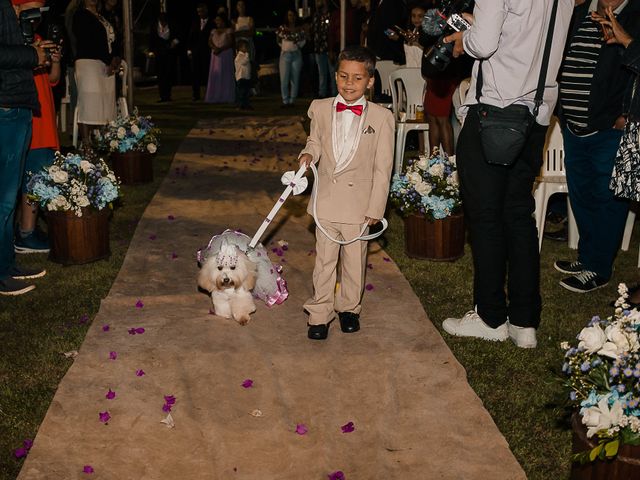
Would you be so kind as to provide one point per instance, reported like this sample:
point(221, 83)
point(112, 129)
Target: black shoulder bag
point(504, 131)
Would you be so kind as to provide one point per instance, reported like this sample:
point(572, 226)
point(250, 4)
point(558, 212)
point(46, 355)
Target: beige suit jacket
point(362, 188)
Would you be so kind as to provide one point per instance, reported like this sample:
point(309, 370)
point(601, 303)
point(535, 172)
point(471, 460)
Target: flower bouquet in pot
point(602, 374)
point(427, 196)
point(131, 142)
point(77, 194)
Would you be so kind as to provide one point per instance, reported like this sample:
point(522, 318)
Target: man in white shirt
point(509, 37)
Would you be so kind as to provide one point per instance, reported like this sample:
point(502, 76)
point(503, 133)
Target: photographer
point(507, 39)
point(18, 99)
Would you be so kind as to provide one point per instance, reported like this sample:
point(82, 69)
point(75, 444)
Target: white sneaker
point(471, 325)
point(523, 337)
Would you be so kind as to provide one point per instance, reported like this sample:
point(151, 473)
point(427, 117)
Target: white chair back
point(459, 97)
point(384, 69)
point(410, 82)
point(553, 161)
point(122, 109)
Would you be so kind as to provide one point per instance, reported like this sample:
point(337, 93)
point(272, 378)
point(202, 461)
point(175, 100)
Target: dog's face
point(230, 268)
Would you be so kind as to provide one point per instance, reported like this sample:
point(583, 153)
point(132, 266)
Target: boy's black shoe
point(584, 282)
point(26, 273)
point(318, 332)
point(570, 268)
point(349, 322)
point(12, 287)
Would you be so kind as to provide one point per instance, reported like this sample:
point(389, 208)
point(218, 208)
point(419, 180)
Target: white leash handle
point(297, 180)
point(314, 209)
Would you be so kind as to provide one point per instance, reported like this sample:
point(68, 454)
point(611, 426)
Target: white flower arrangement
point(603, 377)
point(74, 183)
point(131, 134)
point(428, 187)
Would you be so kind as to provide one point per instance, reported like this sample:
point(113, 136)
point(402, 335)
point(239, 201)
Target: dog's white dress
point(270, 287)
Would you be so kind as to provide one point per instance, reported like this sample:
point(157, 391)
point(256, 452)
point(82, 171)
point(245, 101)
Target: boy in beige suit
point(351, 140)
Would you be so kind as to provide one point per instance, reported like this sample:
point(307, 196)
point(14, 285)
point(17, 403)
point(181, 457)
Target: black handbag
point(504, 131)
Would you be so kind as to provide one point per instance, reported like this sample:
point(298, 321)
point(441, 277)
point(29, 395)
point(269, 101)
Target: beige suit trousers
point(353, 262)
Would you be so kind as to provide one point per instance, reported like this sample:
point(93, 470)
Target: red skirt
point(438, 99)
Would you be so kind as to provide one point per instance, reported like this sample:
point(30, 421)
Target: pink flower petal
point(87, 469)
point(301, 429)
point(338, 475)
point(174, 255)
point(386, 259)
point(104, 417)
point(139, 304)
point(370, 266)
point(113, 355)
point(110, 395)
point(132, 331)
point(348, 427)
point(368, 287)
point(20, 452)
point(105, 328)
point(28, 443)
point(248, 383)
point(140, 373)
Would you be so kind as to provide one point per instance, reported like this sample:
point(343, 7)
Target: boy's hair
point(242, 43)
point(356, 53)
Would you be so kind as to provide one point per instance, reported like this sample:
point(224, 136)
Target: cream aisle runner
point(257, 402)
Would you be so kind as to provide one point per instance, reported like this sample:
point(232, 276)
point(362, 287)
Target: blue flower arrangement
point(428, 187)
point(74, 183)
point(128, 134)
point(602, 374)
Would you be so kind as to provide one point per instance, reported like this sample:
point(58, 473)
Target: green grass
point(517, 386)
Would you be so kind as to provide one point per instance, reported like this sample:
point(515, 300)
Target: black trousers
point(200, 62)
point(499, 207)
point(243, 87)
point(166, 66)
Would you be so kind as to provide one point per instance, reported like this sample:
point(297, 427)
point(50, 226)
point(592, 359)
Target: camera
point(442, 22)
point(29, 21)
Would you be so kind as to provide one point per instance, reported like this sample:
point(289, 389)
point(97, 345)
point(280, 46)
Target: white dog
point(230, 276)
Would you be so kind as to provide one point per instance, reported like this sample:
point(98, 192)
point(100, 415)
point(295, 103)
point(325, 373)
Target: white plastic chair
point(384, 69)
point(65, 104)
point(410, 82)
point(553, 179)
point(459, 97)
point(628, 230)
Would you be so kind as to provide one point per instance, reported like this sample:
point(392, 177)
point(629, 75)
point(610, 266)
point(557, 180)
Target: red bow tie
point(357, 109)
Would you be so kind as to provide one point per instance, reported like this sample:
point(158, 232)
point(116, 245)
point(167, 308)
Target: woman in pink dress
point(221, 85)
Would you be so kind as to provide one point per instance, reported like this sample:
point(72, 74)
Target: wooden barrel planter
point(623, 467)
point(76, 240)
point(132, 167)
point(438, 240)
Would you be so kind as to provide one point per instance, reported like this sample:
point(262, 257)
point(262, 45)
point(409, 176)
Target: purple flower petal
point(248, 383)
point(174, 255)
point(87, 469)
point(166, 408)
point(113, 355)
point(20, 452)
point(28, 443)
point(368, 287)
point(153, 236)
point(139, 330)
point(339, 475)
point(139, 304)
point(132, 331)
point(140, 373)
point(105, 328)
point(170, 399)
point(386, 259)
point(211, 312)
point(301, 429)
point(171, 217)
point(110, 395)
point(84, 319)
point(348, 427)
point(104, 416)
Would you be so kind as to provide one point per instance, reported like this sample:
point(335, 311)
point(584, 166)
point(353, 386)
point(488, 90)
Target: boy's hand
point(305, 159)
point(371, 221)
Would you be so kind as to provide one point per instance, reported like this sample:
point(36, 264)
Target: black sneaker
point(570, 268)
point(26, 273)
point(12, 287)
point(584, 282)
point(35, 242)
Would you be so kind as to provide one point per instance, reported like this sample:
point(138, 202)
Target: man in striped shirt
point(592, 85)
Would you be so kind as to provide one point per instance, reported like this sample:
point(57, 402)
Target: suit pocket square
point(369, 130)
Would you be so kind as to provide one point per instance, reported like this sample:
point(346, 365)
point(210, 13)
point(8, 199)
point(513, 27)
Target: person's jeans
point(35, 160)
point(15, 136)
point(599, 214)
point(498, 207)
point(326, 76)
point(290, 66)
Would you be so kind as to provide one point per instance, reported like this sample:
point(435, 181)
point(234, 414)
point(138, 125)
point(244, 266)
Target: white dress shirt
point(347, 132)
